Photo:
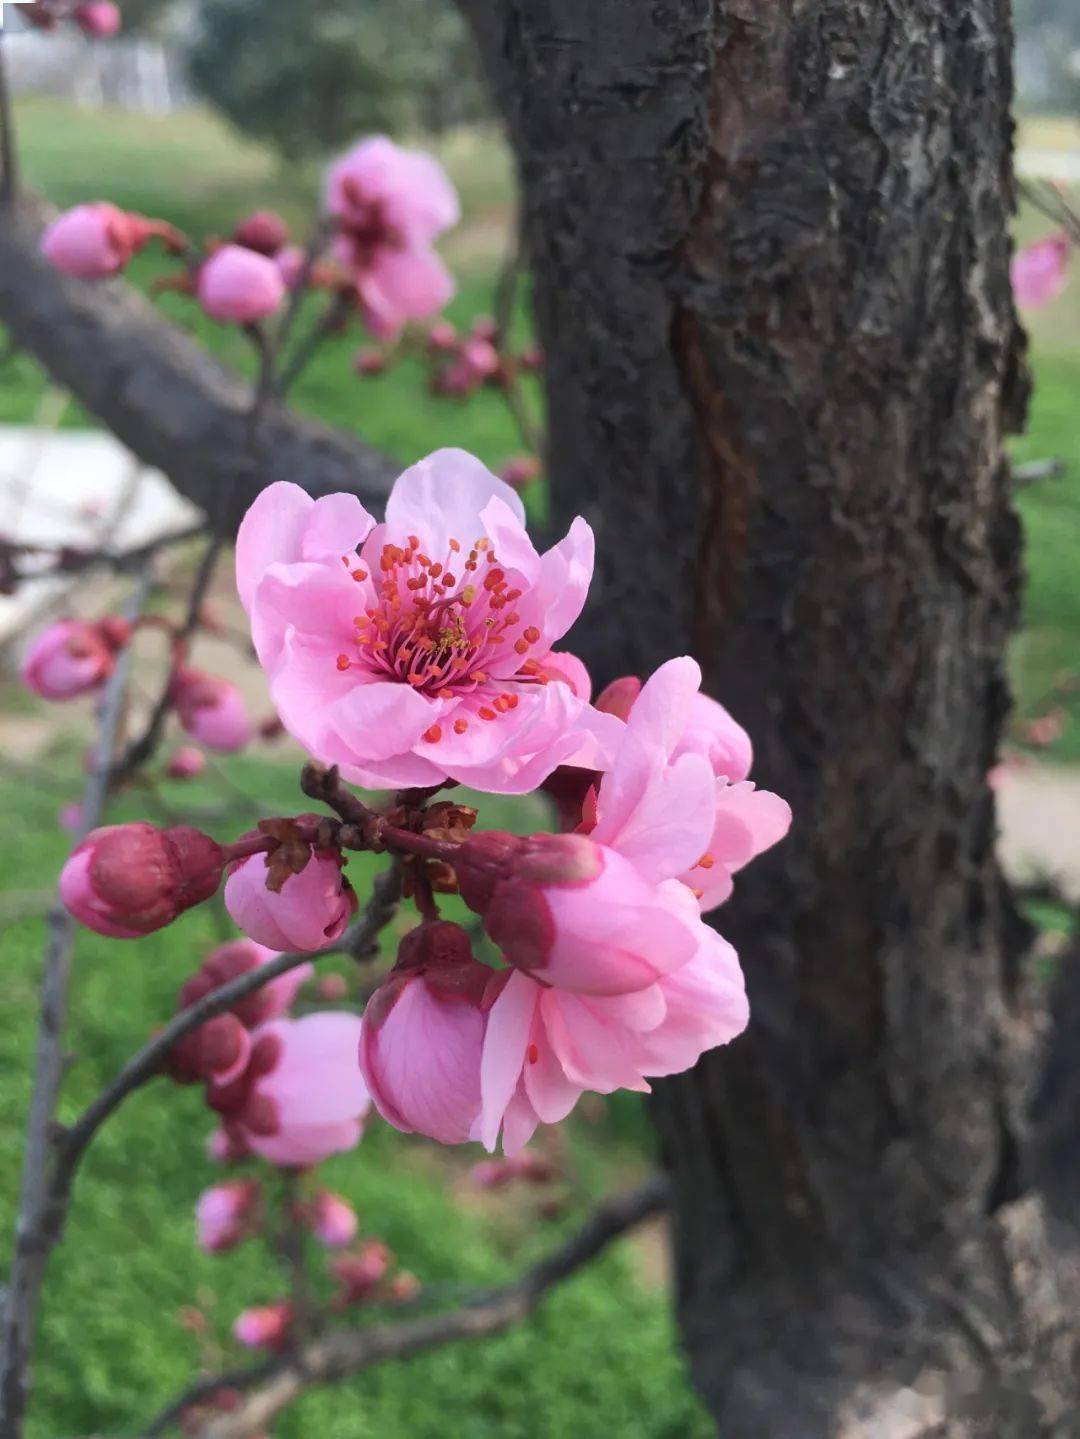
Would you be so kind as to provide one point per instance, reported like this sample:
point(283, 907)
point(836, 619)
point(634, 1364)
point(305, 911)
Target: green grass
point(600, 1359)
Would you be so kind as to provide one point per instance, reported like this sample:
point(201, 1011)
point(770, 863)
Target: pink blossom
point(127, 880)
point(423, 1032)
point(332, 1219)
point(669, 734)
point(224, 1214)
point(499, 1173)
point(217, 1051)
point(240, 956)
point(1039, 271)
point(265, 1326)
point(361, 1272)
point(224, 1148)
point(187, 762)
point(582, 916)
point(311, 909)
point(544, 1047)
point(422, 655)
point(521, 472)
point(212, 710)
point(238, 286)
point(389, 205)
point(302, 1096)
point(68, 659)
point(93, 241)
point(100, 19)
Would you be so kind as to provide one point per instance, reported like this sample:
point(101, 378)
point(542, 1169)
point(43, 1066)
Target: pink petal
point(509, 1026)
point(443, 497)
point(317, 1079)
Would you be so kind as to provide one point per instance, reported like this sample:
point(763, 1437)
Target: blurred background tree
point(308, 78)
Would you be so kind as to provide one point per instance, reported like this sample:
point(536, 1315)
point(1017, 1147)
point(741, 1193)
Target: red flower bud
point(264, 231)
point(127, 880)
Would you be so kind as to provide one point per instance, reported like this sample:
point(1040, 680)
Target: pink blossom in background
point(100, 19)
point(1039, 271)
point(423, 1032)
point(225, 1214)
point(71, 817)
point(361, 1272)
point(187, 762)
point(301, 1097)
point(311, 909)
point(494, 1174)
point(669, 735)
point(264, 1326)
point(239, 286)
point(422, 656)
point(290, 261)
point(127, 880)
point(240, 956)
point(94, 241)
point(224, 1148)
point(212, 711)
point(389, 204)
point(332, 1219)
point(521, 472)
point(264, 231)
point(68, 659)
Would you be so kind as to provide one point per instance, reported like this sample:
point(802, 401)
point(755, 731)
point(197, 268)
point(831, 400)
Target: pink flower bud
point(218, 1052)
point(333, 988)
point(520, 472)
point(238, 286)
point(266, 1326)
point(572, 913)
point(129, 879)
point(225, 1213)
point(360, 1272)
point(423, 1034)
point(531, 359)
point(480, 357)
point(332, 1219)
point(442, 337)
point(1039, 271)
point(100, 19)
point(290, 261)
point(403, 1287)
point(226, 1147)
point(494, 1174)
point(186, 763)
point(212, 710)
point(68, 659)
point(264, 231)
point(241, 956)
point(311, 909)
point(369, 363)
point(618, 697)
point(95, 241)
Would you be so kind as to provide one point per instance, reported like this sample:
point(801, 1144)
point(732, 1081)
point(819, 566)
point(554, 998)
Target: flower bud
point(217, 1052)
point(266, 1326)
point(211, 710)
point(360, 1272)
point(264, 232)
point(95, 241)
point(332, 1219)
point(618, 697)
point(423, 1033)
point(129, 879)
point(238, 286)
point(100, 19)
point(310, 910)
point(187, 762)
point(519, 472)
point(240, 956)
point(68, 659)
point(224, 1214)
point(369, 363)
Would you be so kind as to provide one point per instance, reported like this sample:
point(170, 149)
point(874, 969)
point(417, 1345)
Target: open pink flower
point(239, 286)
point(544, 1047)
point(415, 650)
point(1039, 271)
point(94, 241)
point(310, 910)
point(389, 204)
point(212, 710)
point(669, 732)
point(68, 659)
point(423, 1032)
point(302, 1096)
point(224, 1214)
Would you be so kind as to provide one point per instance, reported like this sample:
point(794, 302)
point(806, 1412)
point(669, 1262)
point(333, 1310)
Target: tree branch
point(162, 394)
point(270, 1388)
point(32, 1243)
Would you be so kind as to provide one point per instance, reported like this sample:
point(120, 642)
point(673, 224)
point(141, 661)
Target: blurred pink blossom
point(332, 1219)
point(225, 1213)
point(265, 1326)
point(1039, 271)
point(239, 286)
point(212, 710)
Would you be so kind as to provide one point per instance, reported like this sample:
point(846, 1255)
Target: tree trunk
point(771, 255)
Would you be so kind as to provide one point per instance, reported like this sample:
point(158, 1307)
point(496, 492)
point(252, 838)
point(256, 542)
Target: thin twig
point(35, 1233)
point(505, 298)
point(331, 317)
point(9, 164)
point(271, 1387)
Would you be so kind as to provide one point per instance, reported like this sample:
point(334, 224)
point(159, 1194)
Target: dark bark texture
point(771, 254)
point(161, 393)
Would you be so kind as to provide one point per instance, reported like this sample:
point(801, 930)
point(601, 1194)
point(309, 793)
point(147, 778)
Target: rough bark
point(161, 393)
point(771, 255)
